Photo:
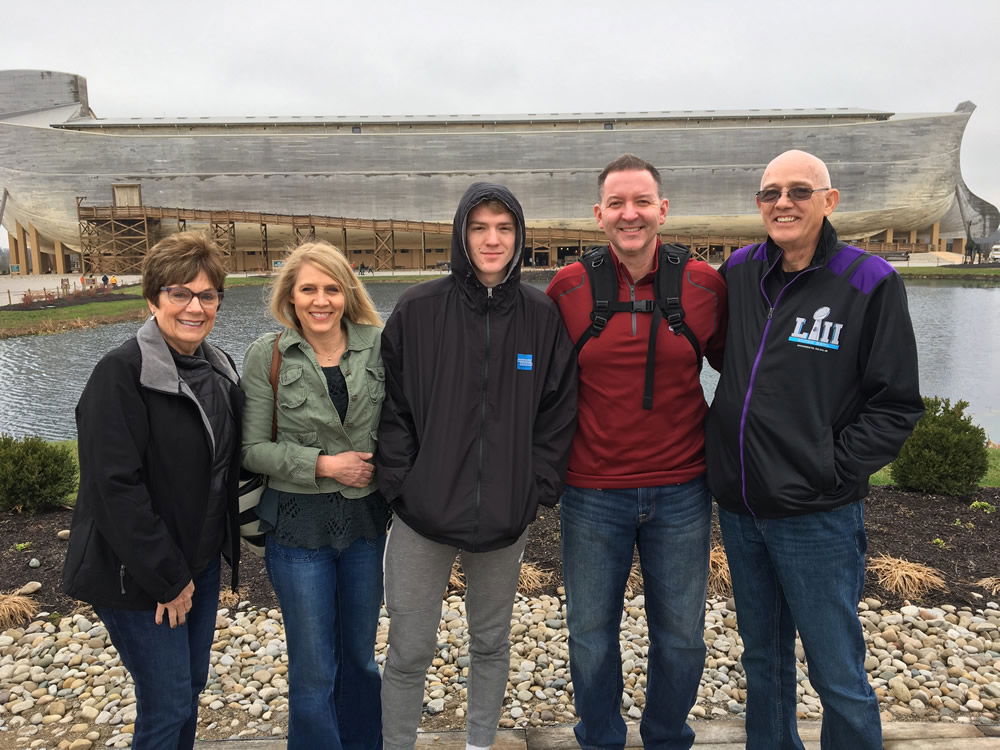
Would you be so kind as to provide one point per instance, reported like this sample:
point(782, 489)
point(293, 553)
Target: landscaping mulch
point(944, 533)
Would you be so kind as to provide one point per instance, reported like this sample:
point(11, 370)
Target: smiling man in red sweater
point(637, 464)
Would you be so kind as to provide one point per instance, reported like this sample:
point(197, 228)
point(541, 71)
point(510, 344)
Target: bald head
point(801, 162)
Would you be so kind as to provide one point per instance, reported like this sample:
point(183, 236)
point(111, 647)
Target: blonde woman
point(326, 520)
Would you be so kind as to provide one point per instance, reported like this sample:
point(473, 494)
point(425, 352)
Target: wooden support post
point(888, 235)
point(958, 245)
point(935, 235)
point(15, 253)
point(305, 234)
point(265, 249)
point(36, 249)
point(423, 249)
point(60, 257)
point(913, 237)
point(22, 239)
point(385, 250)
point(343, 239)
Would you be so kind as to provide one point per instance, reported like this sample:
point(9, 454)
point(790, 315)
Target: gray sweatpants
point(416, 575)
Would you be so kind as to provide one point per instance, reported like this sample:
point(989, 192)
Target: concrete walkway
point(711, 735)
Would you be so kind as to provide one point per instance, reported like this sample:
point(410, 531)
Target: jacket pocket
point(292, 389)
point(376, 382)
point(829, 467)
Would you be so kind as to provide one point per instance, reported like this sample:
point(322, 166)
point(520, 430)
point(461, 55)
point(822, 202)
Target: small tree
point(946, 453)
point(34, 474)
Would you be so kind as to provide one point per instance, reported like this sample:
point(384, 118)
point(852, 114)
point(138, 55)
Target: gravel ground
point(62, 684)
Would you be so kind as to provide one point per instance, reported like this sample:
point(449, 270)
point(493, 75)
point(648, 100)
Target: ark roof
point(719, 116)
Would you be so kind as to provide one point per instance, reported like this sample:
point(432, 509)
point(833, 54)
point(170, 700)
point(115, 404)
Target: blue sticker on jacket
point(525, 362)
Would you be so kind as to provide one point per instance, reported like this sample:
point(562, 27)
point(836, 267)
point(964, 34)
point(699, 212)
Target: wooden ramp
point(711, 735)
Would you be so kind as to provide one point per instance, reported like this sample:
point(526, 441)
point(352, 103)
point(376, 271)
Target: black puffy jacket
point(480, 402)
point(146, 453)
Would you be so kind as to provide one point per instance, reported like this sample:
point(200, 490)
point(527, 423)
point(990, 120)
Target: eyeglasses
point(772, 195)
point(181, 295)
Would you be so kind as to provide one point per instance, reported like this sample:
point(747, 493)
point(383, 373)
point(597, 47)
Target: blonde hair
point(358, 305)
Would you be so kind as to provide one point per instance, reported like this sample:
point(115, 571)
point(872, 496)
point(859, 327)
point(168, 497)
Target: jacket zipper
point(121, 577)
point(753, 375)
point(482, 418)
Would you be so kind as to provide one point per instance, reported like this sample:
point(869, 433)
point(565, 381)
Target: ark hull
point(899, 172)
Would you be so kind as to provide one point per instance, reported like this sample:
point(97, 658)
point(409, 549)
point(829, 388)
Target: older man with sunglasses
point(818, 390)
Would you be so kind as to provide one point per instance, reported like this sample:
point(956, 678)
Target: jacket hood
point(461, 264)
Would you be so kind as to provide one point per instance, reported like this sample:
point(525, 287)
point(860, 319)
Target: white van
point(994, 253)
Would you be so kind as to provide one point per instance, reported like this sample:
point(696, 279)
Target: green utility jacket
point(308, 423)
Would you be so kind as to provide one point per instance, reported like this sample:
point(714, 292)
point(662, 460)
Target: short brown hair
point(178, 259)
point(358, 305)
point(496, 206)
point(626, 163)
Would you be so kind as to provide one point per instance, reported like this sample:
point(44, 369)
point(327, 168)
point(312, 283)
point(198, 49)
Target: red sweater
point(618, 444)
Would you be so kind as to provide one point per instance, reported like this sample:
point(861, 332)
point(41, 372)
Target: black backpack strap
point(604, 292)
point(667, 290)
point(669, 278)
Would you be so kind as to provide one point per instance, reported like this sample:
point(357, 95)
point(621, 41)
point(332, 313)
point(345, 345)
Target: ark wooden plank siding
point(895, 172)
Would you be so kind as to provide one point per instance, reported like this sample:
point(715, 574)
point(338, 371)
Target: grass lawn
point(992, 478)
point(19, 318)
point(939, 272)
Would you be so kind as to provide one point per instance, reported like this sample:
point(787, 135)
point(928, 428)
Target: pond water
point(41, 377)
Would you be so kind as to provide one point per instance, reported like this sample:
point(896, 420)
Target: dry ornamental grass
point(15, 610)
point(904, 578)
point(719, 581)
point(531, 581)
point(991, 584)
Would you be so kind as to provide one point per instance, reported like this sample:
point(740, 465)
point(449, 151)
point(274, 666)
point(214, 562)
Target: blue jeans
point(330, 603)
point(807, 572)
point(671, 527)
point(169, 666)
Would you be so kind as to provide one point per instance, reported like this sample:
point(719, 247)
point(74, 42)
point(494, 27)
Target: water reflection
point(41, 377)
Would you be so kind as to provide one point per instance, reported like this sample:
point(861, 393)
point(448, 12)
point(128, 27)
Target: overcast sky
point(431, 57)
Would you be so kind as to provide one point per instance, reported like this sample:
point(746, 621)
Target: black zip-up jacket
point(480, 402)
point(146, 454)
point(819, 384)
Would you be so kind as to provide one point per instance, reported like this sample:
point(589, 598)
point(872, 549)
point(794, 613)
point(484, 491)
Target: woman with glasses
point(325, 519)
point(159, 433)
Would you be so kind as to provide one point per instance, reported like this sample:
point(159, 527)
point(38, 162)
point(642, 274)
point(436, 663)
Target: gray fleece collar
point(159, 372)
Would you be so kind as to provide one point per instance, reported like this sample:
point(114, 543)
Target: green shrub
point(34, 474)
point(946, 453)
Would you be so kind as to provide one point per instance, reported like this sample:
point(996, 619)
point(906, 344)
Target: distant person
point(479, 412)
point(325, 519)
point(114, 282)
point(104, 281)
point(159, 439)
point(818, 391)
point(636, 471)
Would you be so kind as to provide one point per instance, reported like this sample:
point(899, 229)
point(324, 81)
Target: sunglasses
point(181, 295)
point(771, 195)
